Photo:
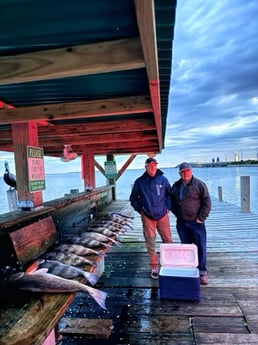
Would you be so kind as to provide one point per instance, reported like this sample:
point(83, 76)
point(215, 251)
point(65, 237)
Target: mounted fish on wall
point(68, 154)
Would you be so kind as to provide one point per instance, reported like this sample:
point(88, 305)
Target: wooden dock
point(227, 313)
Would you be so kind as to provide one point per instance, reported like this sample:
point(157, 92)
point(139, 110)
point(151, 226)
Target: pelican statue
point(8, 177)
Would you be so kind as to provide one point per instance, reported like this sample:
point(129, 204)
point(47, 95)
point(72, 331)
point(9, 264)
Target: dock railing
point(245, 193)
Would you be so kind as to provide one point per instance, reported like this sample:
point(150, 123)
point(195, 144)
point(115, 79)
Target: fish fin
point(98, 296)
point(41, 271)
point(117, 243)
point(33, 267)
point(91, 277)
point(106, 244)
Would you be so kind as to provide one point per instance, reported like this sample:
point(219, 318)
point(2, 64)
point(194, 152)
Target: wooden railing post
point(245, 193)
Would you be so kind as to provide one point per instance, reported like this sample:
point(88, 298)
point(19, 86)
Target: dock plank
point(227, 313)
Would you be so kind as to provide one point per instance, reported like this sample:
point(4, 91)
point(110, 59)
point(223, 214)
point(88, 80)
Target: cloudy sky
point(213, 101)
point(214, 89)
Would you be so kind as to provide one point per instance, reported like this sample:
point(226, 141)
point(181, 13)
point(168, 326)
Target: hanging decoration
point(68, 154)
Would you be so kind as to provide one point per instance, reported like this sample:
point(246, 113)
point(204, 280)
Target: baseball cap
point(184, 166)
point(151, 160)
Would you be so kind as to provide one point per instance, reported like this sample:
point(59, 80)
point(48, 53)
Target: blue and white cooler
point(179, 277)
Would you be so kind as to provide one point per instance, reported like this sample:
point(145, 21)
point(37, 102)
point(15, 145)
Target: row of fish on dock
point(55, 270)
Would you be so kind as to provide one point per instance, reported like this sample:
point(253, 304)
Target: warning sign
point(36, 170)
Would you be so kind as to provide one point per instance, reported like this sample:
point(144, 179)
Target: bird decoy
point(68, 154)
point(8, 177)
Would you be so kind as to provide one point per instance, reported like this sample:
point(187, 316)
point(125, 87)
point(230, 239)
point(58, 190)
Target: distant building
point(236, 157)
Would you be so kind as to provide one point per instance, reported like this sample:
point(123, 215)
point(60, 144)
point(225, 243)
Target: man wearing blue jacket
point(151, 198)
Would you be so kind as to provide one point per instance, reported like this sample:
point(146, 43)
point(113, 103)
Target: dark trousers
point(193, 232)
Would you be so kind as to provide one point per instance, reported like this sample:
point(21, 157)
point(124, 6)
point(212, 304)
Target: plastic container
point(179, 277)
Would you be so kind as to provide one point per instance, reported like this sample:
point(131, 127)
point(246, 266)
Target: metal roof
point(92, 74)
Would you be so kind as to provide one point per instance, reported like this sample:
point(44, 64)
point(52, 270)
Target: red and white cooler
point(179, 277)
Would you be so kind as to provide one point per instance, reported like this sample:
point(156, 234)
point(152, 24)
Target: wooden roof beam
point(96, 139)
point(103, 127)
point(135, 147)
point(102, 57)
point(67, 130)
point(147, 28)
point(85, 109)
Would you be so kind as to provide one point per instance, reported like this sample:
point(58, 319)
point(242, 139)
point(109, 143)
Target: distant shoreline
point(193, 165)
point(225, 164)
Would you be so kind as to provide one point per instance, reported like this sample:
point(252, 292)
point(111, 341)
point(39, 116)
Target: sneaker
point(204, 279)
point(154, 274)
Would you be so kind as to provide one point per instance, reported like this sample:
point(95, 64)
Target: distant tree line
point(247, 162)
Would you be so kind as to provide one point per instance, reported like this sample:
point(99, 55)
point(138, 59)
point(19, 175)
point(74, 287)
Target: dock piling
point(220, 193)
point(245, 193)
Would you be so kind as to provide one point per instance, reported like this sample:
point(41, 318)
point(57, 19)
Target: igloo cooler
point(179, 277)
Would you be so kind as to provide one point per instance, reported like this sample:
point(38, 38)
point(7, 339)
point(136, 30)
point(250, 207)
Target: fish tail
point(106, 244)
point(117, 243)
point(91, 277)
point(98, 296)
point(94, 264)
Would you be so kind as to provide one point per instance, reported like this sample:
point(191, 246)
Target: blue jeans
point(190, 231)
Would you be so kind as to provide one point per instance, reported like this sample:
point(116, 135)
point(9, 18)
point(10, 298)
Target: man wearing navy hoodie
point(151, 198)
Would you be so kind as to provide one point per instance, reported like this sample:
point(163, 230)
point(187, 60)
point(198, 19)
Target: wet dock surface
point(227, 313)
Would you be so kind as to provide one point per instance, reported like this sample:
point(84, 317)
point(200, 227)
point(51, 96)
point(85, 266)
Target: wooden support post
point(25, 134)
point(245, 193)
point(112, 181)
point(88, 170)
point(220, 193)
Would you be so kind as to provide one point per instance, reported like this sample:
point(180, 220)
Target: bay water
point(228, 178)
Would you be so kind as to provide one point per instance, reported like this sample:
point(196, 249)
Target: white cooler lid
point(178, 255)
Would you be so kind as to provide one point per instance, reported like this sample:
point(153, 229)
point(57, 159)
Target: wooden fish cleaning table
point(28, 318)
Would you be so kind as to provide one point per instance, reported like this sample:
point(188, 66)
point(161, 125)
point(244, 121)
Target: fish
point(116, 226)
point(103, 231)
point(40, 280)
point(99, 237)
point(76, 249)
point(88, 242)
point(63, 270)
point(119, 221)
point(120, 215)
point(68, 258)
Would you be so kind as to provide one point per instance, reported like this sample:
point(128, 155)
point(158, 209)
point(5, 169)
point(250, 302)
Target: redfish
point(41, 281)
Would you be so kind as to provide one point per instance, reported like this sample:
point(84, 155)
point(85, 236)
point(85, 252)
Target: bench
point(30, 318)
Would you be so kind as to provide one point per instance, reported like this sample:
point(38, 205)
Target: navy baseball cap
point(151, 160)
point(184, 166)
